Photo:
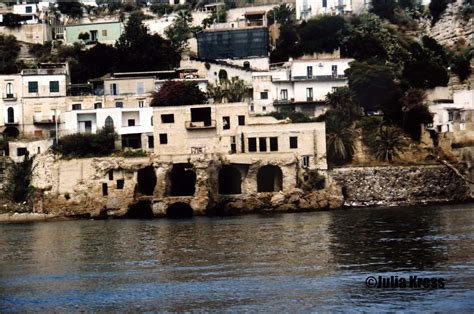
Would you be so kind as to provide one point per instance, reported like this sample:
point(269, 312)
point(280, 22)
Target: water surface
point(288, 262)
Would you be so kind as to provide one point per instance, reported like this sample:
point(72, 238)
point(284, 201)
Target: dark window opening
point(182, 180)
point(105, 189)
point(151, 141)
point(269, 179)
point(97, 105)
point(140, 210)
point(10, 115)
point(131, 122)
point(274, 144)
point(54, 86)
point(109, 122)
point(226, 123)
point(32, 87)
point(262, 142)
point(76, 107)
point(201, 115)
point(146, 181)
point(21, 151)
point(167, 118)
point(120, 184)
point(164, 138)
point(230, 181)
point(293, 142)
point(241, 120)
point(132, 141)
point(263, 95)
point(252, 144)
point(179, 211)
point(119, 104)
point(111, 174)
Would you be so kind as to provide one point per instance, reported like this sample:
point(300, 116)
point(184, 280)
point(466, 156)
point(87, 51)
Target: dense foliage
point(88, 145)
point(233, 90)
point(9, 52)
point(178, 93)
point(17, 187)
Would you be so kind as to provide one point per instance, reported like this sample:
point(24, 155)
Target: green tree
point(84, 36)
point(320, 34)
point(388, 144)
point(437, 8)
point(339, 137)
point(71, 8)
point(9, 52)
point(161, 9)
point(18, 187)
point(415, 113)
point(88, 145)
point(383, 8)
point(343, 99)
point(178, 93)
point(283, 14)
point(236, 89)
point(180, 32)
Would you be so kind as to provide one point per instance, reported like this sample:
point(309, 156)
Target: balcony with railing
point(45, 119)
point(56, 71)
point(9, 96)
point(200, 125)
point(340, 77)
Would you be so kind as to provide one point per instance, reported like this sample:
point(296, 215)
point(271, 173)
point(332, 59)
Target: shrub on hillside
point(88, 145)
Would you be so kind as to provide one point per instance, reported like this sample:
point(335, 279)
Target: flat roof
point(96, 23)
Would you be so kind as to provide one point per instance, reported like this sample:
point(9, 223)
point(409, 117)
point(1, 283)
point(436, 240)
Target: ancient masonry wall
point(76, 187)
point(402, 185)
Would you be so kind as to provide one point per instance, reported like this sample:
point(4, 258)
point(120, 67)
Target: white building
point(299, 85)
point(306, 9)
point(446, 114)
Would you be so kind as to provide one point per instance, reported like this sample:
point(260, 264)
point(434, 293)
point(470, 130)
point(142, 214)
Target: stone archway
point(146, 179)
point(179, 210)
point(269, 179)
point(230, 180)
point(11, 132)
point(182, 180)
point(140, 210)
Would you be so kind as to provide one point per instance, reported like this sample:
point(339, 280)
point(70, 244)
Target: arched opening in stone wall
point(230, 181)
point(140, 210)
point(179, 210)
point(11, 132)
point(182, 180)
point(269, 179)
point(146, 179)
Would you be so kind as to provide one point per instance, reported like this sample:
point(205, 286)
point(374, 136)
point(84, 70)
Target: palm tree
point(388, 144)
point(184, 16)
point(339, 139)
point(236, 89)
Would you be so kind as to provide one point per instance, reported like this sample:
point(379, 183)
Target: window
point(9, 90)
point(119, 104)
point(52, 133)
point(264, 108)
point(104, 32)
point(140, 88)
point(114, 89)
point(97, 105)
point(262, 143)
point(54, 86)
point(309, 94)
point(274, 144)
point(293, 142)
point(450, 115)
point(141, 103)
point(21, 151)
point(109, 122)
point(325, 3)
point(120, 184)
point(167, 118)
point(241, 120)
point(309, 72)
point(226, 123)
point(151, 141)
point(284, 94)
point(38, 133)
point(111, 175)
point(163, 138)
point(305, 161)
point(38, 150)
point(252, 144)
point(263, 95)
point(10, 115)
point(233, 145)
point(334, 70)
point(252, 108)
point(32, 87)
point(105, 189)
point(76, 107)
point(29, 9)
point(131, 122)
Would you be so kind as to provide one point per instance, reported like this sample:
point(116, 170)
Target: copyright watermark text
point(413, 282)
